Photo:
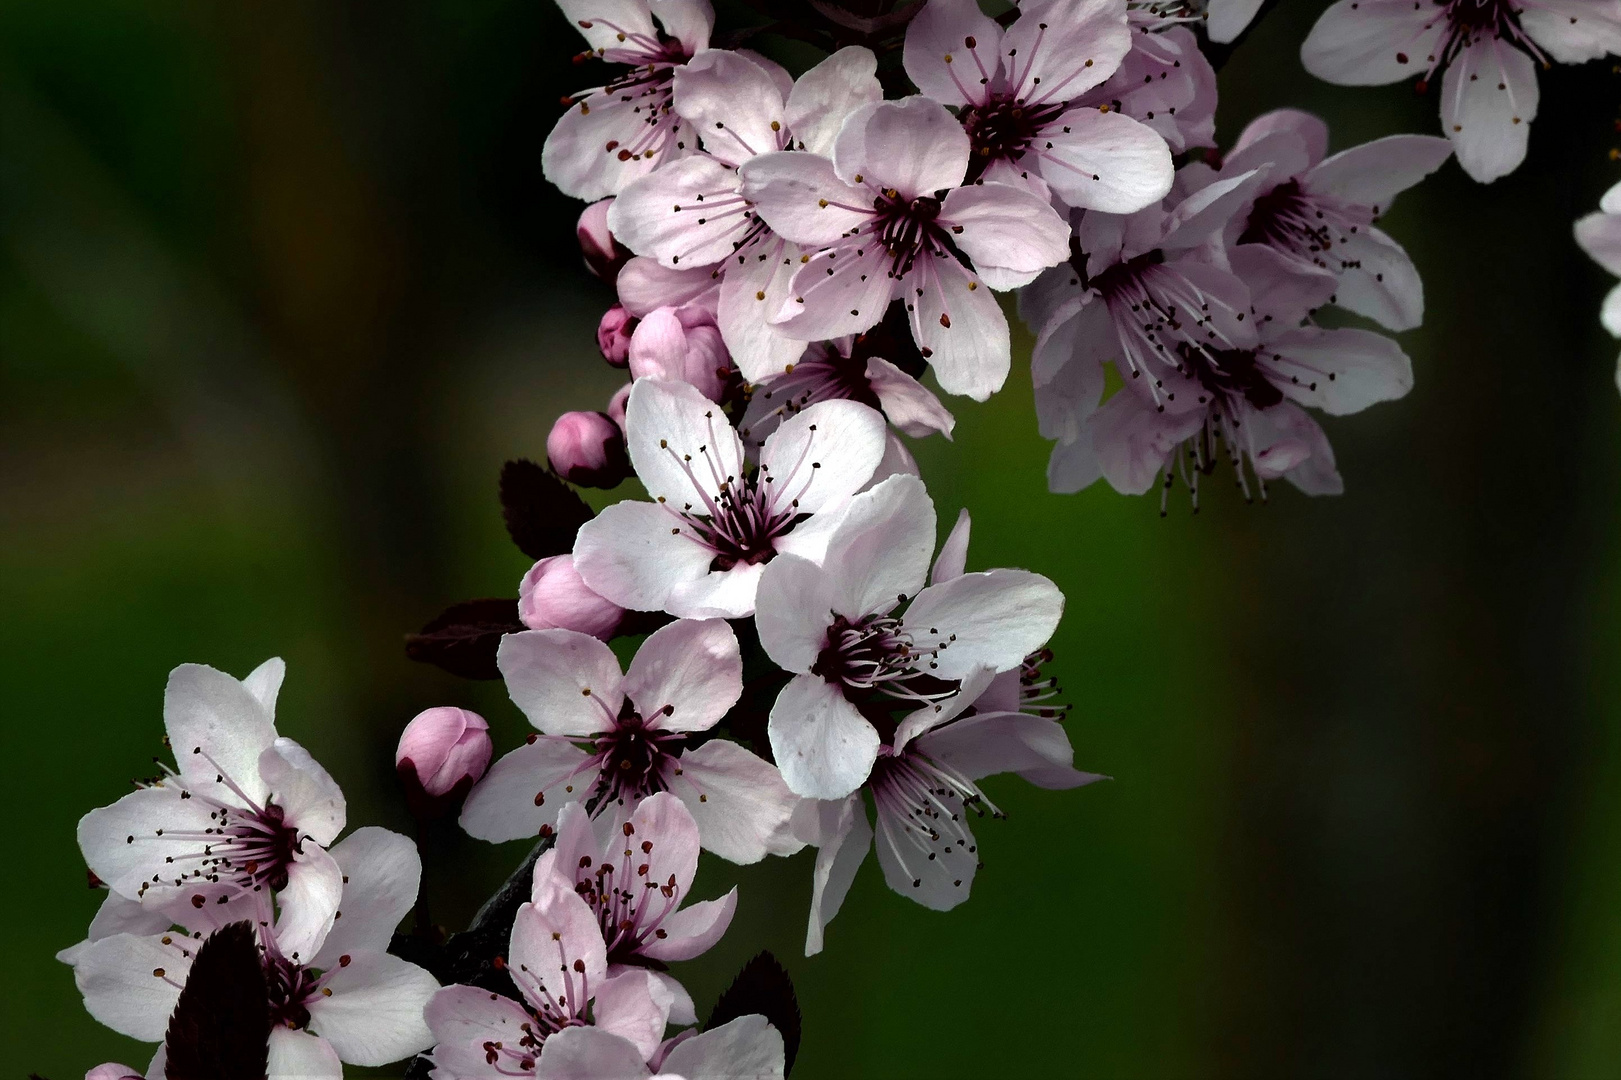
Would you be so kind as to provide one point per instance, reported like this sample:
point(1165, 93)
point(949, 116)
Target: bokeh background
point(281, 286)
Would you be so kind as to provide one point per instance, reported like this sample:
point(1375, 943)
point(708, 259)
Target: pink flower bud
point(443, 752)
point(681, 344)
point(588, 448)
point(613, 335)
point(603, 254)
point(552, 597)
point(617, 403)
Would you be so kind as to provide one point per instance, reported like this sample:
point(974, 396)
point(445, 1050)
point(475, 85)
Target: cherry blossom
point(618, 738)
point(924, 784)
point(889, 214)
point(1017, 93)
point(697, 550)
point(1489, 48)
point(1141, 292)
point(559, 963)
point(857, 655)
point(1246, 399)
point(1223, 20)
point(243, 806)
point(637, 880)
point(747, 1048)
point(347, 1000)
point(1599, 234)
point(693, 214)
point(1319, 210)
point(614, 133)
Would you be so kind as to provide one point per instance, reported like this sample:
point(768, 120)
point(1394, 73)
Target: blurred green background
point(281, 286)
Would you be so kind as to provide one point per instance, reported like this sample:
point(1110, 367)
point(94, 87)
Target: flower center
point(930, 801)
point(1307, 225)
point(906, 228)
point(1230, 374)
point(631, 758)
point(290, 985)
point(880, 665)
point(1002, 130)
point(630, 907)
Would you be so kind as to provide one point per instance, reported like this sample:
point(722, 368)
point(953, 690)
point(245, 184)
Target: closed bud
point(443, 752)
point(552, 597)
point(588, 448)
point(617, 403)
point(603, 254)
point(613, 335)
point(681, 344)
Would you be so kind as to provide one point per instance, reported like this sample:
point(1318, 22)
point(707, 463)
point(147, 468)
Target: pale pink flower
point(747, 1048)
point(843, 369)
point(1017, 93)
point(112, 1071)
point(621, 130)
point(924, 784)
point(692, 213)
point(1599, 234)
point(558, 960)
point(345, 1000)
point(1244, 403)
point(1489, 48)
point(551, 596)
point(637, 880)
point(603, 254)
point(697, 550)
point(618, 738)
point(889, 214)
point(863, 629)
point(1319, 210)
point(244, 806)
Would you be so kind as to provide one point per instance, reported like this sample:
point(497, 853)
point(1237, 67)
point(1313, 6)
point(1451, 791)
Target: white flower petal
point(840, 290)
point(463, 1019)
point(1488, 99)
point(996, 225)
point(1374, 173)
point(586, 1053)
point(217, 727)
point(1340, 371)
point(739, 800)
point(1380, 281)
point(747, 1048)
point(131, 983)
point(822, 455)
point(636, 554)
point(299, 1055)
point(686, 675)
point(959, 326)
point(566, 683)
point(685, 214)
point(827, 94)
point(1105, 161)
point(907, 403)
point(1372, 42)
point(374, 1013)
point(824, 747)
point(882, 548)
point(305, 791)
point(308, 904)
point(998, 617)
point(733, 103)
point(843, 836)
point(503, 806)
point(381, 874)
point(793, 607)
point(939, 60)
point(755, 287)
point(801, 197)
point(912, 145)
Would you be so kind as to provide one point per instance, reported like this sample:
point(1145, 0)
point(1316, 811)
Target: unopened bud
point(443, 752)
point(603, 254)
point(588, 448)
point(617, 403)
point(552, 597)
point(613, 335)
point(681, 344)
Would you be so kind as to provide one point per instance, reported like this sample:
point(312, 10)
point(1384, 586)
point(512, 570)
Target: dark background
point(281, 286)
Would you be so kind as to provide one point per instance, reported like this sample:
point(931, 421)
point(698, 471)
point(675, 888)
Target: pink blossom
point(340, 997)
point(924, 783)
point(888, 215)
point(1319, 210)
point(244, 806)
point(1599, 234)
point(621, 130)
point(558, 961)
point(693, 212)
point(442, 753)
point(1244, 403)
point(1489, 49)
point(1164, 82)
point(552, 597)
point(698, 549)
point(855, 653)
point(1018, 92)
point(620, 738)
point(587, 448)
point(637, 881)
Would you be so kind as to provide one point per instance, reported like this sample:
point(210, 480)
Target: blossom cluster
point(776, 649)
